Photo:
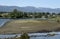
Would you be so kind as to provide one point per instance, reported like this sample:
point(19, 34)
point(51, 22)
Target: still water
point(42, 37)
point(3, 21)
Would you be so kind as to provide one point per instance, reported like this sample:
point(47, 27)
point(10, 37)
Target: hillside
point(28, 9)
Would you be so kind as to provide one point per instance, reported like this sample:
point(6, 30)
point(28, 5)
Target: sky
point(35, 3)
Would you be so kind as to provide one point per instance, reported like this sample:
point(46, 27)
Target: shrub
point(24, 36)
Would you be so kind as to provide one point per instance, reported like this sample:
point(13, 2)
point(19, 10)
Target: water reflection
point(39, 35)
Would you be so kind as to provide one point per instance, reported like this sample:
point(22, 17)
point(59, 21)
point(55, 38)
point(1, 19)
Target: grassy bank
point(19, 26)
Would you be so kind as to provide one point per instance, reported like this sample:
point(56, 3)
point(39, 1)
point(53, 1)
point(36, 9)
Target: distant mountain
point(28, 9)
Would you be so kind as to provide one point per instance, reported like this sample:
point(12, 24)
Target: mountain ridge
point(29, 9)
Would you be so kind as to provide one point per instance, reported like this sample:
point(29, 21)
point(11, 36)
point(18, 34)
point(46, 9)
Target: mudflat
point(19, 26)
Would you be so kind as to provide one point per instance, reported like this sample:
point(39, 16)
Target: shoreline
point(2, 25)
point(33, 32)
point(6, 33)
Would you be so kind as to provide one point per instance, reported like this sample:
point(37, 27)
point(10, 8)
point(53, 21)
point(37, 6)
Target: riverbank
point(19, 26)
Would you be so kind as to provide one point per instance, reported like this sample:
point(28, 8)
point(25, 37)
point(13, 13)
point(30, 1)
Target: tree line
point(19, 14)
